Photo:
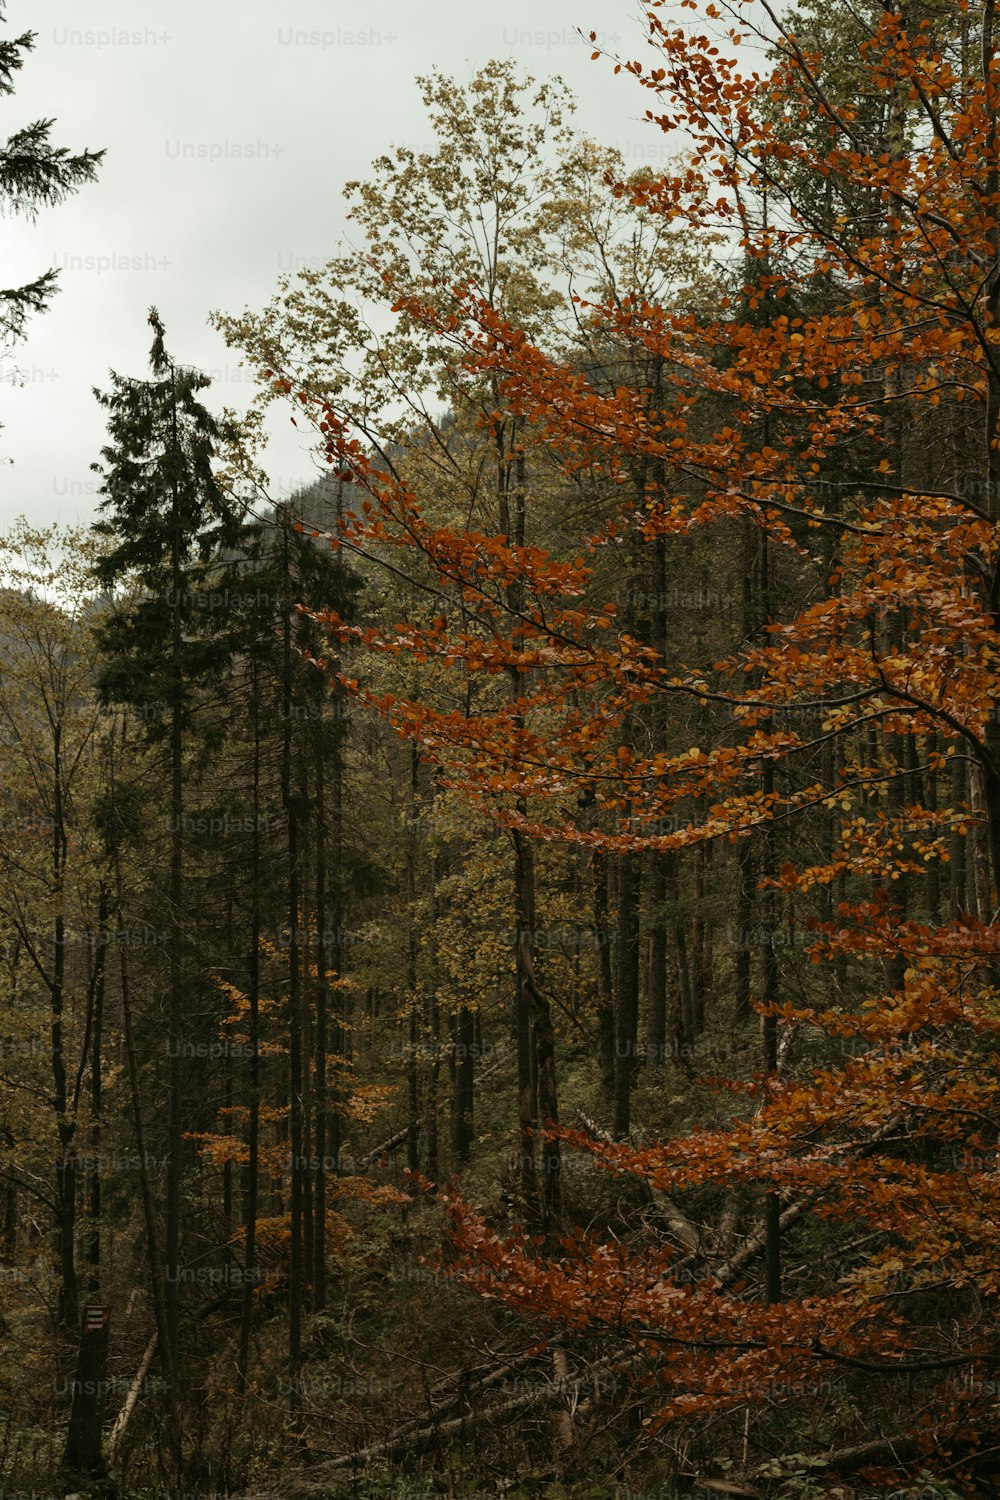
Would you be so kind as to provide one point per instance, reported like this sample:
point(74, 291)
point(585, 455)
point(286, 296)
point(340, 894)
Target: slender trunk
point(933, 886)
point(253, 1005)
point(959, 897)
point(627, 992)
point(176, 927)
point(432, 1027)
point(979, 844)
point(769, 1033)
point(895, 966)
point(548, 1106)
point(96, 1098)
point(656, 989)
point(157, 1266)
point(745, 907)
point(305, 1039)
point(337, 906)
point(413, 1020)
point(662, 863)
point(770, 984)
point(227, 1095)
point(512, 527)
point(605, 987)
point(66, 1168)
point(433, 1076)
point(989, 770)
point(524, 898)
point(8, 1227)
point(464, 1044)
point(679, 1023)
point(701, 946)
point(319, 1088)
point(294, 1001)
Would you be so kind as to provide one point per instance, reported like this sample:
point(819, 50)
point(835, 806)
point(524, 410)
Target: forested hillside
point(499, 952)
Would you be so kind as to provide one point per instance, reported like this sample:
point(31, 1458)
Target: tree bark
point(294, 1012)
point(83, 1460)
point(627, 992)
point(157, 1268)
point(656, 989)
point(605, 985)
point(251, 1202)
point(524, 900)
point(175, 1013)
point(464, 1044)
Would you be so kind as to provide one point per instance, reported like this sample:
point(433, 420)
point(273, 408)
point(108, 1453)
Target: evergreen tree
point(33, 174)
point(166, 515)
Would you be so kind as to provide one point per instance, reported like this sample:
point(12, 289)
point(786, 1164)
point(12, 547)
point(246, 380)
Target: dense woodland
point(499, 953)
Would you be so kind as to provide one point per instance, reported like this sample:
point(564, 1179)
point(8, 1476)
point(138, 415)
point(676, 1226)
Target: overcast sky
point(186, 217)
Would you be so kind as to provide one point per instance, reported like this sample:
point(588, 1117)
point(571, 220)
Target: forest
point(500, 952)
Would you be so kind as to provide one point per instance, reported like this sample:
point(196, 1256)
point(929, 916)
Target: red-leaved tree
point(840, 412)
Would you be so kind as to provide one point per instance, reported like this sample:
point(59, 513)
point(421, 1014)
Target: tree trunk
point(294, 1000)
point(745, 907)
point(318, 1266)
point(175, 1014)
point(679, 1015)
point(432, 1022)
point(656, 989)
point(413, 1019)
point(157, 1268)
point(253, 1004)
point(98, 987)
point(524, 898)
point(957, 865)
point(627, 992)
point(605, 986)
point(701, 942)
point(66, 1169)
point(464, 1045)
point(83, 1461)
point(548, 1101)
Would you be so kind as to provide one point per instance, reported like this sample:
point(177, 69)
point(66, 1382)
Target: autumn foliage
point(840, 410)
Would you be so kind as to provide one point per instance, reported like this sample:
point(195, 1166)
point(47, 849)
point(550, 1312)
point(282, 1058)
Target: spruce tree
point(168, 523)
point(33, 174)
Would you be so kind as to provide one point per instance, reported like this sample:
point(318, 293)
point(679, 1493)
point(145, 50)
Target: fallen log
point(470, 1385)
point(418, 1439)
point(134, 1391)
point(434, 1430)
point(678, 1223)
point(400, 1137)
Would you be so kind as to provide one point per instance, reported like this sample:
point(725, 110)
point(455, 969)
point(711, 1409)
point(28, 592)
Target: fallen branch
point(434, 1430)
point(400, 1137)
point(134, 1391)
point(678, 1223)
point(415, 1439)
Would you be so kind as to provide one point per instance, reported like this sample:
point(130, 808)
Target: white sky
point(317, 90)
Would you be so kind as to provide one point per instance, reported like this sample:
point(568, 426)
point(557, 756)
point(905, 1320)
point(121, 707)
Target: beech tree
point(894, 665)
point(506, 202)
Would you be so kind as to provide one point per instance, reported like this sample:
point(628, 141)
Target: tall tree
point(165, 514)
point(901, 642)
